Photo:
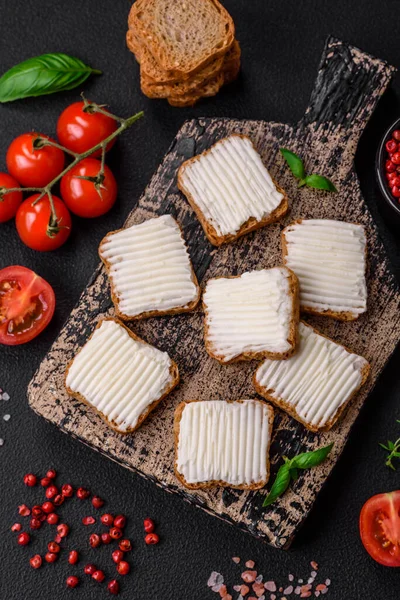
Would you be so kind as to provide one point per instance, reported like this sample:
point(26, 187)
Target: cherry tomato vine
point(55, 225)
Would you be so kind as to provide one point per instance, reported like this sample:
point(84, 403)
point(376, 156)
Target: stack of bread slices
point(186, 49)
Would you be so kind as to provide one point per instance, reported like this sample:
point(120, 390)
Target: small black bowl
point(381, 157)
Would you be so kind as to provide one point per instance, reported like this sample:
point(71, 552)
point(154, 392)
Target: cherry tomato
point(27, 304)
point(380, 528)
point(9, 202)
point(33, 223)
point(80, 130)
point(34, 167)
point(86, 198)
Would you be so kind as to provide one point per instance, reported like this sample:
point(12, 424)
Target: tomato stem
point(54, 225)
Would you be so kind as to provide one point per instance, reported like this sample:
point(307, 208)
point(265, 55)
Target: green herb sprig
point(45, 74)
point(289, 471)
point(393, 449)
point(296, 165)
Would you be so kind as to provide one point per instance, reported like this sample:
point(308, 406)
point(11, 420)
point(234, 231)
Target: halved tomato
point(27, 304)
point(380, 528)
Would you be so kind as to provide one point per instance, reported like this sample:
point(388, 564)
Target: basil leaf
point(294, 474)
point(294, 162)
point(320, 183)
point(310, 459)
point(280, 485)
point(42, 75)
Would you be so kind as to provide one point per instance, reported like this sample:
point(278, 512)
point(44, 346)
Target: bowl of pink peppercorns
point(388, 166)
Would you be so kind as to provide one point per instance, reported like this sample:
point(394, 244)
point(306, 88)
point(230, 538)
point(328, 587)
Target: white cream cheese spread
point(316, 381)
point(150, 267)
point(230, 184)
point(251, 313)
point(225, 441)
point(329, 258)
point(118, 375)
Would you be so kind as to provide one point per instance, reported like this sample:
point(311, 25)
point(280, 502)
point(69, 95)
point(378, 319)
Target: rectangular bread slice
point(315, 384)
point(253, 316)
point(220, 443)
point(182, 36)
point(149, 269)
point(329, 258)
point(231, 190)
point(120, 376)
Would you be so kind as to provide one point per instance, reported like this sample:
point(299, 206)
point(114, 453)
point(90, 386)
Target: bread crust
point(213, 483)
point(293, 338)
point(174, 381)
point(151, 313)
point(344, 316)
point(156, 51)
point(268, 394)
point(251, 224)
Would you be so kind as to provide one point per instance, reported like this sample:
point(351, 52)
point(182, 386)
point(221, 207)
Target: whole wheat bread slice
point(183, 36)
point(255, 484)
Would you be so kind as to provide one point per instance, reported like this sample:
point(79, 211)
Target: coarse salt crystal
point(216, 587)
point(250, 564)
point(223, 591)
point(244, 590)
point(7, 417)
point(316, 594)
point(288, 590)
point(259, 579)
point(328, 582)
point(5, 396)
point(313, 574)
point(236, 559)
point(249, 576)
point(325, 591)
point(237, 588)
point(314, 565)
point(1, 442)
point(310, 580)
point(291, 577)
point(270, 586)
point(215, 579)
point(258, 589)
point(297, 590)
point(272, 597)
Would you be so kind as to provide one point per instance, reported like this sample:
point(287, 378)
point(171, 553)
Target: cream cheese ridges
point(230, 184)
point(329, 258)
point(119, 376)
point(316, 381)
point(222, 441)
point(251, 313)
point(150, 267)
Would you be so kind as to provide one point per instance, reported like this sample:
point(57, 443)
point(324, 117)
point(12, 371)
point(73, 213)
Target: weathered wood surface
point(347, 89)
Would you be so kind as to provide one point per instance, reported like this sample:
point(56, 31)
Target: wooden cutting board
point(346, 91)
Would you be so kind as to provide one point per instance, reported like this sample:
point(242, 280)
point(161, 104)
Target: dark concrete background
point(281, 44)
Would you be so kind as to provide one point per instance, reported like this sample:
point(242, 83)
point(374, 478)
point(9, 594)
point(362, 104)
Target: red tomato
point(9, 202)
point(27, 304)
point(79, 131)
point(33, 223)
point(34, 167)
point(380, 528)
point(85, 198)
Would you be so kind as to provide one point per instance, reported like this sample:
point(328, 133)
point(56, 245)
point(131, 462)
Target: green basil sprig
point(296, 165)
point(289, 471)
point(45, 74)
point(393, 451)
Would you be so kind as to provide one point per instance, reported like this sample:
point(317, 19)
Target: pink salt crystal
point(215, 579)
point(328, 582)
point(316, 594)
point(291, 577)
point(249, 576)
point(244, 589)
point(259, 579)
point(297, 590)
point(216, 587)
point(258, 589)
point(305, 595)
point(320, 587)
point(236, 559)
point(251, 598)
point(325, 591)
point(270, 586)
point(281, 589)
point(250, 564)
point(272, 597)
point(223, 591)
point(288, 590)
point(314, 565)
point(237, 588)
point(227, 597)
point(313, 574)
